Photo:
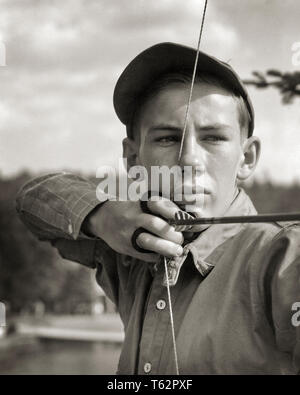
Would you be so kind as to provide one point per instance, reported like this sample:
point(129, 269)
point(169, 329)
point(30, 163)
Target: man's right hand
point(115, 222)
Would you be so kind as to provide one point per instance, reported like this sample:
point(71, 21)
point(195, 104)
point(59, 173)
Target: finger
point(160, 227)
point(148, 257)
point(163, 207)
point(158, 245)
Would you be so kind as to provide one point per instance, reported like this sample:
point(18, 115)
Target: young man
point(237, 283)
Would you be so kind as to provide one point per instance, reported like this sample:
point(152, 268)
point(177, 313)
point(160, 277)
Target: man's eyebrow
point(165, 127)
point(172, 128)
point(214, 126)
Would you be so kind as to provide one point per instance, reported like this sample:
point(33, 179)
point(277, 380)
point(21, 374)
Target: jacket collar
point(204, 248)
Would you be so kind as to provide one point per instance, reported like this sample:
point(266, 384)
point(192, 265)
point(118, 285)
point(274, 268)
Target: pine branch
point(287, 83)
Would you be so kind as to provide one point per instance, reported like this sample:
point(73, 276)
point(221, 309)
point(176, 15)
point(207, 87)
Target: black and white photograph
point(149, 189)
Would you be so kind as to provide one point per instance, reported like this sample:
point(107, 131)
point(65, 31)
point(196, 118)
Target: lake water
point(63, 357)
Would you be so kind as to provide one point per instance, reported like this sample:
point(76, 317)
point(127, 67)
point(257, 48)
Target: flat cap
point(165, 58)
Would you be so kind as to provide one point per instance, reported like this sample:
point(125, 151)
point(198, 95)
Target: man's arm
point(282, 289)
point(63, 206)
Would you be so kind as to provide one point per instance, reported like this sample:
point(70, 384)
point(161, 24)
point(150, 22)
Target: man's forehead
point(209, 104)
point(178, 93)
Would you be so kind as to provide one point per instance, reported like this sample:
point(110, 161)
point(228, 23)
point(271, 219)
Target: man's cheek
point(226, 172)
point(224, 183)
point(148, 156)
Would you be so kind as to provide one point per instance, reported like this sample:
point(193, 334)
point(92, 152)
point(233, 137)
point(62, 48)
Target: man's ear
point(249, 160)
point(130, 152)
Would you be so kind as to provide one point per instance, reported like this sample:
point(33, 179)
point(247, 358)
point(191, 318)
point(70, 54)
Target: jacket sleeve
point(283, 284)
point(54, 206)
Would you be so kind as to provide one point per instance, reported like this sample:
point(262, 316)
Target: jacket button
point(161, 304)
point(70, 228)
point(147, 367)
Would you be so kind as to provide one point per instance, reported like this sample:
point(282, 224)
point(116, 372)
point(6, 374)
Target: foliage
point(272, 198)
point(287, 83)
point(30, 270)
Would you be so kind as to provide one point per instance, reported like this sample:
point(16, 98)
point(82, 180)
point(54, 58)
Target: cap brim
point(164, 58)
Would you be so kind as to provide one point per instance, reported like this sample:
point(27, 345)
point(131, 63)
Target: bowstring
point(171, 318)
point(193, 82)
point(179, 157)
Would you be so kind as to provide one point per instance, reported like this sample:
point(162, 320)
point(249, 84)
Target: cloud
point(278, 128)
point(5, 114)
point(221, 33)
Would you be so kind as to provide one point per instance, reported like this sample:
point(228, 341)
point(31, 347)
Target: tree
point(32, 271)
point(287, 83)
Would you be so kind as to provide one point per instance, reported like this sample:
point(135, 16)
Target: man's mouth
point(187, 194)
point(189, 190)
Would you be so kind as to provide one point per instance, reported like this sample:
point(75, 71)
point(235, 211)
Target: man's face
point(212, 143)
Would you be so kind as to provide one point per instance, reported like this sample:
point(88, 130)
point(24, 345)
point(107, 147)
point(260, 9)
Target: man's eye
point(167, 139)
point(214, 138)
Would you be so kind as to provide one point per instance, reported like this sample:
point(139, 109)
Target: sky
point(63, 59)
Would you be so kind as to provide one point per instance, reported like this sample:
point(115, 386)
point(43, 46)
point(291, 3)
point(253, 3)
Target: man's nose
point(191, 154)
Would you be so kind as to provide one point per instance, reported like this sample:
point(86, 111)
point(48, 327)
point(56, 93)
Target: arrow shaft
point(238, 219)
